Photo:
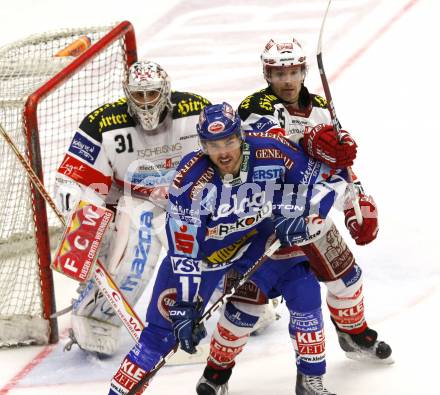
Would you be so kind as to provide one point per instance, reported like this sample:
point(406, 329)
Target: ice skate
point(71, 342)
point(205, 387)
point(310, 385)
point(214, 381)
point(365, 346)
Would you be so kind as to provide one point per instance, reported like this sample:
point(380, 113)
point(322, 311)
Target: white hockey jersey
point(110, 151)
point(263, 111)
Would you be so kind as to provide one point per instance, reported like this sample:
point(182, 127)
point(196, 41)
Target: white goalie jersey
point(110, 151)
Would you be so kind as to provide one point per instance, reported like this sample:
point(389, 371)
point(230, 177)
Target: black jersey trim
point(108, 117)
point(186, 104)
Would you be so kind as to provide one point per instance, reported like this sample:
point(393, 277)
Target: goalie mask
point(148, 93)
point(283, 54)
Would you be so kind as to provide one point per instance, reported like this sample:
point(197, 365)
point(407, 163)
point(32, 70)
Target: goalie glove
point(367, 232)
point(323, 143)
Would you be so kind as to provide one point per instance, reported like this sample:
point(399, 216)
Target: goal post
point(43, 99)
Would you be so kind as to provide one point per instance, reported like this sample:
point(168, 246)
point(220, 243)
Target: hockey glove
point(291, 231)
point(184, 317)
point(367, 232)
point(322, 143)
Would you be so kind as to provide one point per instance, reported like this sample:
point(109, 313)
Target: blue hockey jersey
point(207, 213)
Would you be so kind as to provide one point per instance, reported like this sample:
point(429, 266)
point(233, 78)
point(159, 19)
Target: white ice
point(381, 58)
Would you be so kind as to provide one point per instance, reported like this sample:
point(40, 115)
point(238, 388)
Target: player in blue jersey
point(233, 194)
point(286, 107)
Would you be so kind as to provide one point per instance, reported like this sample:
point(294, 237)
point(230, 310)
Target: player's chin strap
point(208, 314)
point(229, 180)
point(335, 122)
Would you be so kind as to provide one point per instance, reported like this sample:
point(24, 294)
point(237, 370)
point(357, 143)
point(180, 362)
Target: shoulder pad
point(318, 101)
point(260, 102)
point(189, 164)
point(110, 116)
point(266, 139)
point(186, 104)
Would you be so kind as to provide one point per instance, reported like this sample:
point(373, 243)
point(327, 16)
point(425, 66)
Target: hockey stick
point(102, 278)
point(208, 314)
point(335, 121)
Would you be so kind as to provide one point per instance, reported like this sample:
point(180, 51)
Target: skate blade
point(367, 357)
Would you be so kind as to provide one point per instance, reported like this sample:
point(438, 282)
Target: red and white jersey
point(110, 150)
point(264, 111)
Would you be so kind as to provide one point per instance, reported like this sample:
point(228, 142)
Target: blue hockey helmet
point(218, 121)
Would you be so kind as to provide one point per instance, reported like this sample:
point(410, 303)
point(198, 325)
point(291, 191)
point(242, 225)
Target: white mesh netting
point(25, 66)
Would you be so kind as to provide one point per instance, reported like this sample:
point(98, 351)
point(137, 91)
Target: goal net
point(43, 99)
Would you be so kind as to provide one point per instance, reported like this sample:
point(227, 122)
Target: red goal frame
point(123, 30)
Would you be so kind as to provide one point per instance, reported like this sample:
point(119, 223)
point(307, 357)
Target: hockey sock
point(347, 313)
point(225, 346)
point(127, 376)
point(345, 301)
point(307, 333)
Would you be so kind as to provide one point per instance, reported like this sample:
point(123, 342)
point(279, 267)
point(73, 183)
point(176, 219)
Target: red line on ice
point(371, 41)
point(27, 369)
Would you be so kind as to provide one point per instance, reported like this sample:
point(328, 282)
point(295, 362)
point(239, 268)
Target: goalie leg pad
point(346, 302)
point(95, 336)
point(267, 317)
point(232, 333)
point(132, 257)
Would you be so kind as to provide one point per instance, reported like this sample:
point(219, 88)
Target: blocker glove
point(323, 143)
point(184, 316)
point(367, 232)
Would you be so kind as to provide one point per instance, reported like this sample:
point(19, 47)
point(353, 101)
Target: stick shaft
point(335, 121)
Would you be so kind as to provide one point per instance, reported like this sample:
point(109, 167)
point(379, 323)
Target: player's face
point(225, 154)
point(286, 82)
point(145, 99)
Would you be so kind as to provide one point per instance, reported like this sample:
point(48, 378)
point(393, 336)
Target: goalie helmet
point(282, 54)
point(148, 92)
